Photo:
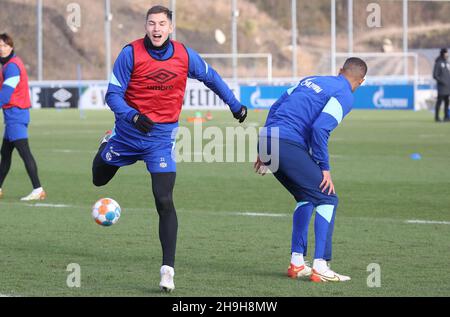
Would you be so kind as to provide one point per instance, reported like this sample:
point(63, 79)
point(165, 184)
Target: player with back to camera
point(146, 95)
point(300, 123)
point(15, 102)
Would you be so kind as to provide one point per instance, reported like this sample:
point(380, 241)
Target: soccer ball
point(106, 212)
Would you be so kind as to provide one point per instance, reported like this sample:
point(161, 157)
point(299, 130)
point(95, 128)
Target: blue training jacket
point(123, 68)
point(11, 78)
point(308, 112)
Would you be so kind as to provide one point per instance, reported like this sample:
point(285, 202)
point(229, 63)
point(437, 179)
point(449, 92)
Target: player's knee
point(102, 173)
point(99, 181)
point(334, 200)
point(4, 153)
point(164, 203)
point(329, 200)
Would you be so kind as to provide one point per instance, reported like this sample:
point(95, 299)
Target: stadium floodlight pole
point(235, 14)
point(173, 7)
point(350, 27)
point(294, 38)
point(108, 18)
point(405, 36)
point(39, 41)
point(333, 37)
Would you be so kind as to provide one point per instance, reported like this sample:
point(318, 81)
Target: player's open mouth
point(157, 37)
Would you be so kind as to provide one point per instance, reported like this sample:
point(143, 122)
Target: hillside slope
point(264, 27)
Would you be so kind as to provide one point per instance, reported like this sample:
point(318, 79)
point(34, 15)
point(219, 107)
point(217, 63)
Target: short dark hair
point(160, 9)
point(443, 52)
point(7, 39)
point(356, 66)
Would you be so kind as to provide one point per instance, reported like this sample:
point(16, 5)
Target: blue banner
point(261, 97)
point(389, 97)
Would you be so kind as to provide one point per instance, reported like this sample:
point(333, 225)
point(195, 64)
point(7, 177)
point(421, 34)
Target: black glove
point(143, 123)
point(241, 115)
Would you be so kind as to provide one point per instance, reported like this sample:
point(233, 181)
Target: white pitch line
point(73, 151)
point(49, 205)
point(69, 132)
point(427, 222)
point(254, 214)
point(426, 136)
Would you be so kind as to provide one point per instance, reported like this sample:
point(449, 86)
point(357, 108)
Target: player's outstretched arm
point(200, 70)
point(120, 78)
point(241, 115)
point(331, 116)
point(319, 140)
point(319, 146)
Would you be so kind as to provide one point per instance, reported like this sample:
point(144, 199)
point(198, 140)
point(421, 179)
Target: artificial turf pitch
point(234, 226)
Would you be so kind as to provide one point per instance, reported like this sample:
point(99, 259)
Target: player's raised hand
point(241, 115)
point(143, 123)
point(327, 183)
point(260, 167)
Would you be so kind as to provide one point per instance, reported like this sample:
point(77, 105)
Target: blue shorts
point(15, 131)
point(157, 153)
point(298, 173)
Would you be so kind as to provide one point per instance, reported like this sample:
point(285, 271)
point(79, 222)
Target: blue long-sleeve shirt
point(11, 78)
point(308, 113)
point(198, 69)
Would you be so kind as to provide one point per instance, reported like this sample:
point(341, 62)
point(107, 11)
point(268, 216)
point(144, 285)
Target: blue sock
point(322, 225)
point(329, 245)
point(302, 217)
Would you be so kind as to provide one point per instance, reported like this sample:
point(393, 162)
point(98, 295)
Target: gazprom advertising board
point(199, 97)
point(386, 97)
point(261, 97)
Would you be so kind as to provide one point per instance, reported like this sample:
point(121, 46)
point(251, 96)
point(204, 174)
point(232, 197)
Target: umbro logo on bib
point(162, 76)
